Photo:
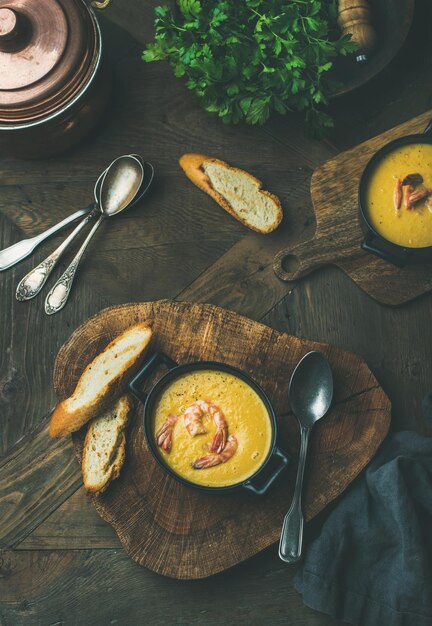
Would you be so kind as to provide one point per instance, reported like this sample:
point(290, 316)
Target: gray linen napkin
point(371, 563)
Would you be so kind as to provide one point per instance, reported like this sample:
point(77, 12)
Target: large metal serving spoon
point(120, 185)
point(32, 283)
point(310, 397)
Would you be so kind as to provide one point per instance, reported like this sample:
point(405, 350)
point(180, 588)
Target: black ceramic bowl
point(374, 242)
point(272, 466)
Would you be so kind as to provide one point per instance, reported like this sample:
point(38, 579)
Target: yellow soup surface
point(409, 228)
point(246, 416)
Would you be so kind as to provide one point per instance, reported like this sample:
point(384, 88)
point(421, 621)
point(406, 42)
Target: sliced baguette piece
point(237, 191)
point(105, 446)
point(103, 381)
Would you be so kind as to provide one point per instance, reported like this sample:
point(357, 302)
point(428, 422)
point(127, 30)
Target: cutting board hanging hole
point(290, 263)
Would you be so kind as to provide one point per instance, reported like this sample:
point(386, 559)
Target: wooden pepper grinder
point(355, 19)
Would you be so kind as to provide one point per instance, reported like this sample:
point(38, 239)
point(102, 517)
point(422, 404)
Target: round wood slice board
point(182, 533)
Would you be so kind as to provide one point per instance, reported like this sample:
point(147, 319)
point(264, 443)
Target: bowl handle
point(400, 260)
point(260, 485)
point(100, 4)
point(147, 369)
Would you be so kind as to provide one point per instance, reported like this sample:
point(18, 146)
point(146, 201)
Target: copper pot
point(53, 83)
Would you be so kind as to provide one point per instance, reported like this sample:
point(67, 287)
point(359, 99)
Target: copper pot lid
point(46, 50)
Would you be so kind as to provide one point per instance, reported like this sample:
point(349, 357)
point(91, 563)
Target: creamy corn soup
point(410, 228)
point(246, 418)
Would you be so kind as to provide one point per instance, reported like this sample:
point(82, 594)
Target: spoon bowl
point(311, 388)
point(120, 185)
point(310, 397)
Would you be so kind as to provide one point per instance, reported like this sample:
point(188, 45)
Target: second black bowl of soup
point(395, 200)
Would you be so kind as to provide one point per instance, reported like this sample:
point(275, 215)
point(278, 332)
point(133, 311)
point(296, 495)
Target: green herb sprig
point(247, 58)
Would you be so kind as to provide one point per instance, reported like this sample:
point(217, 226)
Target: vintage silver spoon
point(120, 185)
point(310, 397)
point(18, 251)
point(33, 282)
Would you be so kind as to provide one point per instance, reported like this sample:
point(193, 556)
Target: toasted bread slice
point(103, 381)
point(238, 192)
point(105, 446)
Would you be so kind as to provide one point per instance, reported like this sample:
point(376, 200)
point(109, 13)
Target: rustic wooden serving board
point(338, 234)
point(183, 533)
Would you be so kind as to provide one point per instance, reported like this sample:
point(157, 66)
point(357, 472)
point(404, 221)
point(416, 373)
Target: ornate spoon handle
point(18, 251)
point(57, 297)
point(33, 282)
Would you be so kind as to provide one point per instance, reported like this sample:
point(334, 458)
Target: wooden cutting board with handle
point(338, 234)
point(182, 533)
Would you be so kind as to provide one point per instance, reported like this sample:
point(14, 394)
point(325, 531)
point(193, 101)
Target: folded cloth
point(371, 564)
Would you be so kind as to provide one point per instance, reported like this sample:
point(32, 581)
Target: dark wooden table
point(60, 562)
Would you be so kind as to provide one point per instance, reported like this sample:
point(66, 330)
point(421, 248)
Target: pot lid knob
point(8, 27)
point(31, 44)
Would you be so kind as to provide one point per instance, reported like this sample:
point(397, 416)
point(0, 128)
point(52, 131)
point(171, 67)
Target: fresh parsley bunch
point(246, 58)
